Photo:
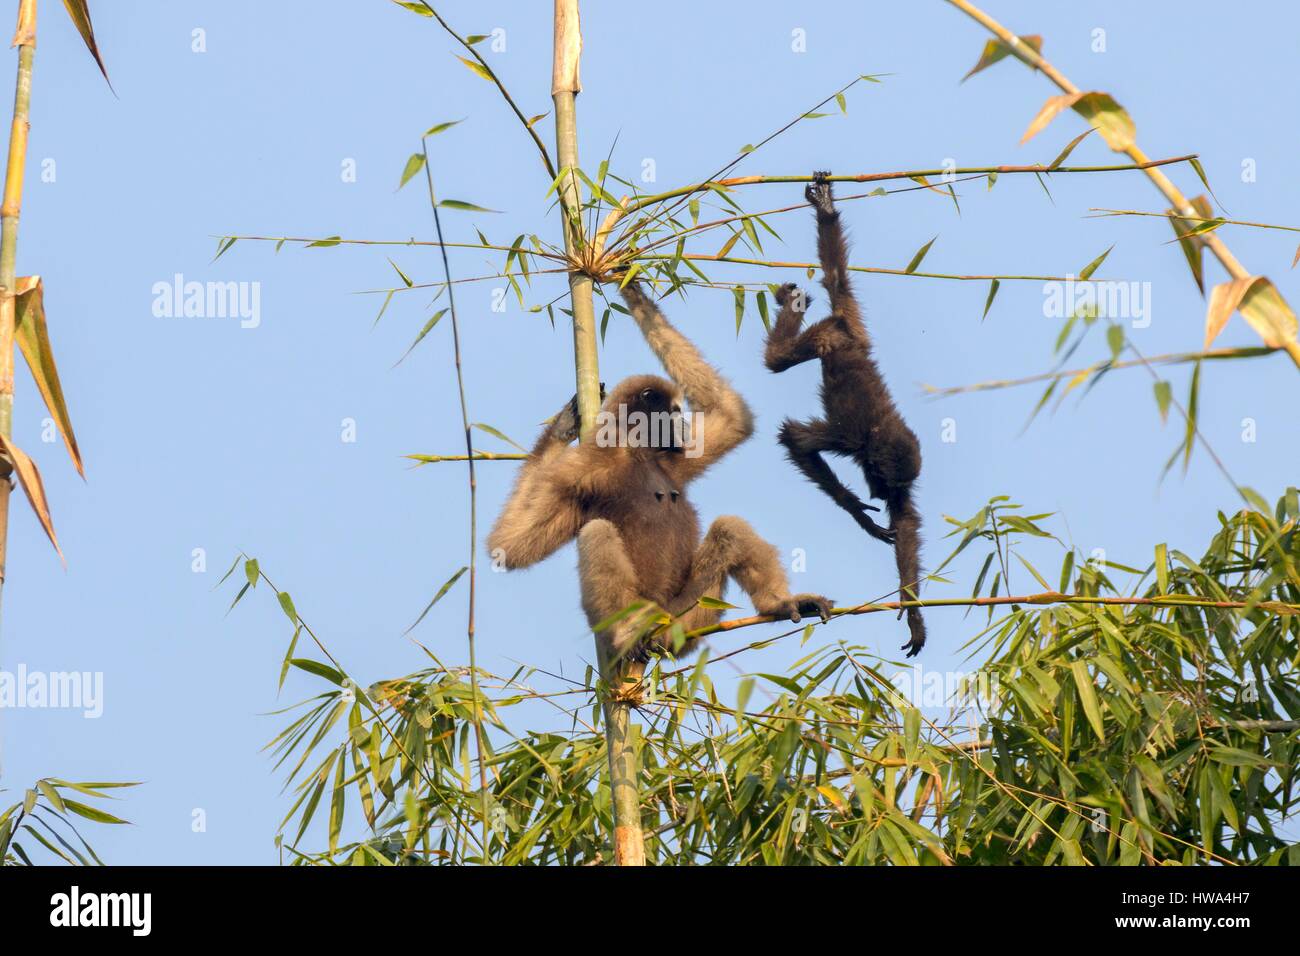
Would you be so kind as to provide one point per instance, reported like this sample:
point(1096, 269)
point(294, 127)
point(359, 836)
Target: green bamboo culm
point(625, 798)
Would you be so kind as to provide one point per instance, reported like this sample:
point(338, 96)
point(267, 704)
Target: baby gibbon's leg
point(804, 442)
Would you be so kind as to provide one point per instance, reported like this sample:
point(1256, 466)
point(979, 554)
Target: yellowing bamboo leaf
point(30, 479)
point(1260, 305)
point(1099, 109)
point(414, 7)
point(478, 68)
point(1269, 314)
point(995, 50)
point(80, 13)
point(34, 339)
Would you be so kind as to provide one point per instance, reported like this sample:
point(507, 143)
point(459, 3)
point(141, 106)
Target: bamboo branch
point(537, 140)
point(1030, 57)
point(1172, 358)
point(1103, 213)
point(1047, 597)
point(1040, 168)
point(475, 456)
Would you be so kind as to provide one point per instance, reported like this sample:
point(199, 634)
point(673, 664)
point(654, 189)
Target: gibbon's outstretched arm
point(786, 345)
point(716, 407)
point(543, 512)
point(833, 251)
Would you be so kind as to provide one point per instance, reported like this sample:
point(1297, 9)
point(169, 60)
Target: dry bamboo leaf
point(1260, 305)
point(34, 339)
point(79, 10)
point(1099, 109)
point(30, 479)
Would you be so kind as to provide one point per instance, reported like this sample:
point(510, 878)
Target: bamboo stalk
point(625, 800)
point(1030, 57)
point(25, 40)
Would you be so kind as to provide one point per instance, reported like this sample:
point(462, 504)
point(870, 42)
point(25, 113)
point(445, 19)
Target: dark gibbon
point(625, 501)
point(861, 421)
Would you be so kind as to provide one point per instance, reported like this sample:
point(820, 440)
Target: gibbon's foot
point(886, 535)
point(912, 647)
point(820, 195)
point(796, 606)
point(787, 292)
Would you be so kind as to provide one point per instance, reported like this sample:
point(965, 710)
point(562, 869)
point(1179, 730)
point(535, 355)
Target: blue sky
point(198, 433)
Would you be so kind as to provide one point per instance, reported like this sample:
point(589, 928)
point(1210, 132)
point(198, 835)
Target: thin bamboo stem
point(473, 515)
point(625, 800)
point(1046, 597)
point(1171, 358)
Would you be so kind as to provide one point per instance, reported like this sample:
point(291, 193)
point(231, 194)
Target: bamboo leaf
point(478, 68)
point(436, 598)
point(496, 434)
point(1099, 109)
point(988, 303)
point(413, 166)
point(33, 338)
point(1088, 697)
point(919, 257)
point(428, 327)
point(1259, 303)
point(464, 206)
point(91, 813)
point(79, 11)
point(29, 477)
point(995, 50)
point(1094, 265)
point(441, 127)
point(1070, 148)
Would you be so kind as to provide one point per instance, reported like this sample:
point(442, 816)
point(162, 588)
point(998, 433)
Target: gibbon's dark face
point(653, 413)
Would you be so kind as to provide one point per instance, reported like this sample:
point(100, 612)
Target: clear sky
point(198, 433)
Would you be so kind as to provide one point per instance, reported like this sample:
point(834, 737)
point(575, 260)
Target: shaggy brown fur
point(861, 421)
point(638, 535)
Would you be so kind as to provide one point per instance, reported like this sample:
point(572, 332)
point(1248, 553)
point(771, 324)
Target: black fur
point(861, 421)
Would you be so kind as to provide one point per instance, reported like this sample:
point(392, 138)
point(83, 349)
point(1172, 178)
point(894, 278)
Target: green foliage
point(1157, 724)
point(44, 822)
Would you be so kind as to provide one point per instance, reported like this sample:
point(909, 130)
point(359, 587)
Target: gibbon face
point(648, 411)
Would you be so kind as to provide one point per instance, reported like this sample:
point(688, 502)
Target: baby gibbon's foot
point(886, 535)
point(796, 606)
point(820, 195)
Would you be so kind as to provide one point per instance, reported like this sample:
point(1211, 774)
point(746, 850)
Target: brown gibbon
point(624, 498)
point(861, 421)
